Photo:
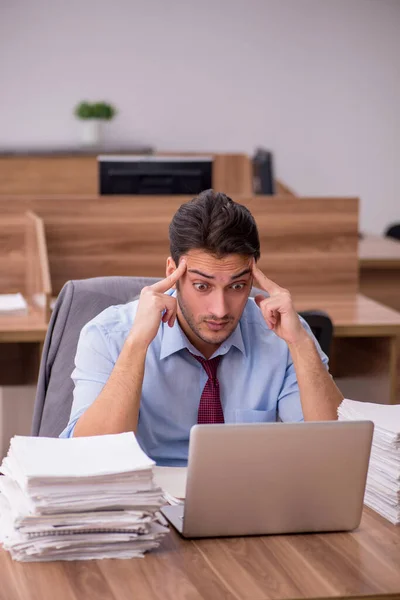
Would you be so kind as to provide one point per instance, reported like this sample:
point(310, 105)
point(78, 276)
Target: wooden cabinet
point(41, 174)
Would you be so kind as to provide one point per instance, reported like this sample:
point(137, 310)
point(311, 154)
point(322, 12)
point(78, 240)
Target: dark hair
point(214, 223)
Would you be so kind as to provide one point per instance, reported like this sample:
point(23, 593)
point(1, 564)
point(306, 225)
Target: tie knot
point(210, 366)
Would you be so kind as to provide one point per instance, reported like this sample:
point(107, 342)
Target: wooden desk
point(29, 328)
point(21, 339)
point(364, 352)
point(364, 562)
point(379, 261)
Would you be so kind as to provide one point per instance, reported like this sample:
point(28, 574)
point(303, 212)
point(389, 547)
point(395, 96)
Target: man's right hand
point(156, 306)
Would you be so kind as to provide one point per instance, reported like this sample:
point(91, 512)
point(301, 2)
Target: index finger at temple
point(264, 282)
point(165, 284)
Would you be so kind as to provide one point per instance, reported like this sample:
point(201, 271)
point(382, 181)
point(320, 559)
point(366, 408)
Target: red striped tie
point(210, 408)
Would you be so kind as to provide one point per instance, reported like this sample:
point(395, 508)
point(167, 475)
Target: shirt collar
point(173, 339)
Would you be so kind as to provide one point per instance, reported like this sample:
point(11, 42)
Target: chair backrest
point(78, 303)
point(322, 327)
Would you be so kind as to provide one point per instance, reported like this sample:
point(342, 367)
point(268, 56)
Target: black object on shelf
point(393, 231)
point(156, 175)
point(263, 175)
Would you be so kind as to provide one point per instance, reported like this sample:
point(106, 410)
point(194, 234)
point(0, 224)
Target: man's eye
point(238, 286)
point(201, 287)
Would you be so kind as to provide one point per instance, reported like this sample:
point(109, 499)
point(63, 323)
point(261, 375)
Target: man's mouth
point(217, 325)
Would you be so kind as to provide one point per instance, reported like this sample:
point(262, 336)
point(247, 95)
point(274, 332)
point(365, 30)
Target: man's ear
point(170, 266)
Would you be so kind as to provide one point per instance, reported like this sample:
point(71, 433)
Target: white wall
point(317, 81)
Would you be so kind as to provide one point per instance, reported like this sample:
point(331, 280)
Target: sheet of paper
point(13, 304)
point(171, 480)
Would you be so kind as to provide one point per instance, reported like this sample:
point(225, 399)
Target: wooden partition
point(37, 272)
point(281, 189)
point(24, 265)
point(24, 268)
point(308, 245)
point(12, 254)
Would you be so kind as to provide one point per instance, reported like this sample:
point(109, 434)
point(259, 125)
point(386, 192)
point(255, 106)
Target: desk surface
point(23, 328)
point(352, 316)
point(378, 252)
point(365, 562)
point(355, 315)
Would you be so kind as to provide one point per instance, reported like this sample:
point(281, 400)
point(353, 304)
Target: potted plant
point(92, 116)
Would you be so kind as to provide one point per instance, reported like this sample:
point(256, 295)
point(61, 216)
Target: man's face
point(212, 294)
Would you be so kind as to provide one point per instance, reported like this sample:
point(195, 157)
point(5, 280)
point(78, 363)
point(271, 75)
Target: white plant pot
point(91, 132)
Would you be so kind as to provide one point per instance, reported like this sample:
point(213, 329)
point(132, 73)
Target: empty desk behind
point(379, 259)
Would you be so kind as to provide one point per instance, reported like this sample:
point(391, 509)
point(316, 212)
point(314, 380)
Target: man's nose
point(218, 306)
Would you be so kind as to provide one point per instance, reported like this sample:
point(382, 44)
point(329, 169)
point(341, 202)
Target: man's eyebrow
point(241, 274)
point(200, 273)
point(244, 272)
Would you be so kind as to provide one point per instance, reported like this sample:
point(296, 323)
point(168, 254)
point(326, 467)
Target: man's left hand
point(278, 310)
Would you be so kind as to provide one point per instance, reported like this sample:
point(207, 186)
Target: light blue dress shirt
point(256, 377)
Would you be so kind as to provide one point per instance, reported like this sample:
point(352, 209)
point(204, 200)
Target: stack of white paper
point(79, 498)
point(172, 481)
point(13, 304)
point(383, 482)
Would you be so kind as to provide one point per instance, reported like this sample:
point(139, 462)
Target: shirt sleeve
point(94, 362)
point(289, 404)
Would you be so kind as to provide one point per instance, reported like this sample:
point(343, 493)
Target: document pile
point(79, 498)
point(383, 482)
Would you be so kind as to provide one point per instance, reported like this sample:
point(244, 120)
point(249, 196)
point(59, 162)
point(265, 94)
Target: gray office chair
point(322, 327)
point(79, 302)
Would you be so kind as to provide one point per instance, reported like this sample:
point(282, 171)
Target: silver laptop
point(270, 478)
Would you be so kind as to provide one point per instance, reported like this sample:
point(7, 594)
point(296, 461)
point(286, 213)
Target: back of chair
point(78, 302)
point(321, 326)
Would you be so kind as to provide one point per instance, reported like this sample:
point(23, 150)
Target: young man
point(195, 347)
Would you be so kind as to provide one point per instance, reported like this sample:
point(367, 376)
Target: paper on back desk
point(172, 480)
point(13, 304)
